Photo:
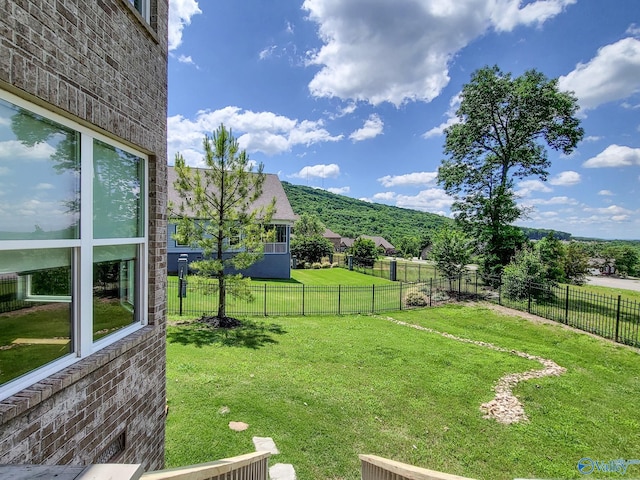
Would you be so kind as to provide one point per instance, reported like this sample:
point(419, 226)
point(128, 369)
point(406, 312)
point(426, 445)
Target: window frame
point(82, 260)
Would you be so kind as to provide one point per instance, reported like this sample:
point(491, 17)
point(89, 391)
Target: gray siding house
point(276, 262)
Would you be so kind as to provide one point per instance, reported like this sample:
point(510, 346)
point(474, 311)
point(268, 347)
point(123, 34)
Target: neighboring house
point(334, 238)
point(345, 243)
point(276, 262)
point(83, 110)
point(381, 244)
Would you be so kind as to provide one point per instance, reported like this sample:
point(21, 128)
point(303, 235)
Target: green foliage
point(215, 212)
point(451, 249)
point(575, 263)
point(351, 218)
point(525, 269)
point(504, 124)
point(311, 249)
point(364, 252)
point(623, 257)
point(408, 247)
point(552, 254)
point(308, 225)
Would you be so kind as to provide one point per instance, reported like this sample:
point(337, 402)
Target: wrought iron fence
point(200, 298)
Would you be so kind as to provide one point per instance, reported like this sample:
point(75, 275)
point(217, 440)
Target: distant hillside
point(350, 217)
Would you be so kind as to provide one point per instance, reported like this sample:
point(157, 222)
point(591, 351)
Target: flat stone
point(282, 471)
point(238, 426)
point(265, 444)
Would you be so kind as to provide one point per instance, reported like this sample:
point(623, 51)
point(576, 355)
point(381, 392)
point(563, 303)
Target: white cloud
point(566, 179)
point(44, 186)
point(606, 193)
point(452, 119)
point(264, 132)
point(592, 138)
point(433, 200)
point(180, 13)
point(614, 156)
point(289, 28)
point(267, 52)
point(399, 51)
point(527, 187)
point(613, 74)
point(186, 59)
point(19, 151)
point(371, 129)
point(408, 179)
point(318, 171)
point(611, 211)
point(339, 190)
point(385, 196)
point(633, 30)
point(553, 201)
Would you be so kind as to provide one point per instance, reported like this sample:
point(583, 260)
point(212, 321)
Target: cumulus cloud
point(633, 30)
point(452, 119)
point(408, 179)
point(553, 201)
point(371, 129)
point(264, 132)
point(400, 51)
point(610, 211)
point(186, 59)
point(527, 187)
point(434, 200)
point(606, 193)
point(19, 151)
point(566, 179)
point(267, 52)
point(318, 171)
point(339, 190)
point(180, 13)
point(385, 196)
point(614, 156)
point(613, 74)
point(592, 138)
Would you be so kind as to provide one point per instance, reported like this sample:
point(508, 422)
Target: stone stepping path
point(505, 407)
point(279, 471)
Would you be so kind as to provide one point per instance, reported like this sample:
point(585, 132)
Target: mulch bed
point(217, 322)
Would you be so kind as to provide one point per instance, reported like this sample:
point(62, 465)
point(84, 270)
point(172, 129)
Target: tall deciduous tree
point(216, 214)
point(308, 226)
point(451, 250)
point(504, 125)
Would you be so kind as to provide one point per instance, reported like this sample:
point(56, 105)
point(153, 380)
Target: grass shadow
point(275, 280)
point(251, 334)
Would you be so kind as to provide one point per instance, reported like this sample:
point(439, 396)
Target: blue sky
point(353, 95)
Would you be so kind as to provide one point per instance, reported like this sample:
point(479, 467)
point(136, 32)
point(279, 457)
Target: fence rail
point(299, 299)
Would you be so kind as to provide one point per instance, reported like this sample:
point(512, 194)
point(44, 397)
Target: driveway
point(614, 282)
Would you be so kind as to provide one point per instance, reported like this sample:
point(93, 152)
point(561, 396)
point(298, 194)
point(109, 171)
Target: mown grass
point(328, 388)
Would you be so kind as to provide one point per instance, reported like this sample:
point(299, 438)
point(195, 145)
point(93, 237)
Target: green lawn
point(328, 388)
point(336, 276)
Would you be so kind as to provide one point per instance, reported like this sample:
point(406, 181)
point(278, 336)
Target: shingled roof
point(271, 188)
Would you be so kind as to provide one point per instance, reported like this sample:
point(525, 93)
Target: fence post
point(476, 285)
point(339, 295)
point(180, 280)
point(400, 295)
point(566, 307)
point(500, 292)
point(459, 286)
point(430, 290)
point(618, 318)
point(303, 299)
point(373, 298)
point(529, 295)
point(265, 299)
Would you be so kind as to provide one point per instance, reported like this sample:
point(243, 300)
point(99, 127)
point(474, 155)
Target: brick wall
point(99, 63)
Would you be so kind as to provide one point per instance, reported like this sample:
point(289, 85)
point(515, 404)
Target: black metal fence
point(9, 300)
point(200, 298)
point(405, 271)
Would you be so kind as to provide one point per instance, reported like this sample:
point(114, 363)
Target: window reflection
point(35, 309)
point(39, 177)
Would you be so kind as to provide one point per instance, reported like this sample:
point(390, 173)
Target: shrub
point(334, 265)
point(415, 299)
point(326, 265)
point(316, 265)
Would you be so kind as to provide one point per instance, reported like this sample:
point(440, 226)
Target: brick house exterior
point(102, 65)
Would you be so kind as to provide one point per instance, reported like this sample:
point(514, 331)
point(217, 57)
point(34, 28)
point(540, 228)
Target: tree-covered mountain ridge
point(350, 217)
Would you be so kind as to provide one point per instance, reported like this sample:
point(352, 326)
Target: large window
point(72, 242)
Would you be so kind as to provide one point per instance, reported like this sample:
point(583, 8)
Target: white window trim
point(82, 254)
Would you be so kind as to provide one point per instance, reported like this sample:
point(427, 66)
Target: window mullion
point(84, 320)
